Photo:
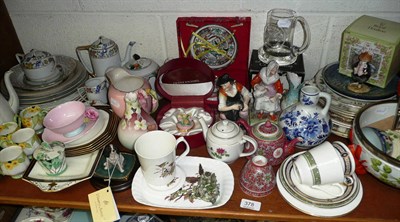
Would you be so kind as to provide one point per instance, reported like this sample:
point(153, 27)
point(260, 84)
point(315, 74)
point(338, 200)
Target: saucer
point(55, 78)
point(312, 201)
point(50, 136)
point(98, 128)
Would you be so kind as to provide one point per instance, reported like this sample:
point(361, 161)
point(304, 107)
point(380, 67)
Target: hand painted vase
point(136, 120)
point(257, 178)
point(307, 119)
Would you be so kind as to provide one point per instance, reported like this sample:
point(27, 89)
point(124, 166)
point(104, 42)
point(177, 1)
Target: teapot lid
point(37, 59)
point(268, 129)
point(103, 43)
point(226, 129)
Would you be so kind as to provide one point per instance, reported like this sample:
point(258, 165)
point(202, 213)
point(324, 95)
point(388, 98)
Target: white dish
point(147, 196)
point(79, 168)
point(96, 131)
point(315, 203)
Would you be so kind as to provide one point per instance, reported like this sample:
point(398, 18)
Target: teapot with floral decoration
point(135, 121)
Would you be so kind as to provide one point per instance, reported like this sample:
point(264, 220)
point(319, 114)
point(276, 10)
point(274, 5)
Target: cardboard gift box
point(221, 42)
point(188, 85)
point(381, 39)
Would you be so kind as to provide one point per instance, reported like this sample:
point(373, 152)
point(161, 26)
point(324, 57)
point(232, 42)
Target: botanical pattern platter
point(143, 194)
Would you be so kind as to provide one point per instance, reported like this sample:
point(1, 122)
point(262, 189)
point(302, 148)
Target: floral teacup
point(27, 139)
point(32, 117)
point(6, 131)
point(13, 161)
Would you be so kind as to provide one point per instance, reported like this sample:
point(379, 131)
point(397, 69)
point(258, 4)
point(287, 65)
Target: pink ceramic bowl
point(65, 118)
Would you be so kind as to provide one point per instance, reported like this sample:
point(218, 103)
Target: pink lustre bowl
point(66, 117)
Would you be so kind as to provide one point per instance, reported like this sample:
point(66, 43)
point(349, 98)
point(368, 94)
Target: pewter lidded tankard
point(279, 36)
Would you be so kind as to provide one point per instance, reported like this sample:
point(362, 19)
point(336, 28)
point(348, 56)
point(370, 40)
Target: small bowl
point(379, 163)
point(65, 117)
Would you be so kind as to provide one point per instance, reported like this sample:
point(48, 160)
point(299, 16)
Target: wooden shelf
point(379, 202)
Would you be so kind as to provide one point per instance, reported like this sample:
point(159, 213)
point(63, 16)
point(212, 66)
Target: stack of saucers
point(49, 92)
point(88, 129)
point(345, 104)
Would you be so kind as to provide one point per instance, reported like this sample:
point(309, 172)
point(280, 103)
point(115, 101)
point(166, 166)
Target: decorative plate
point(338, 83)
point(79, 168)
point(214, 45)
point(312, 201)
point(143, 194)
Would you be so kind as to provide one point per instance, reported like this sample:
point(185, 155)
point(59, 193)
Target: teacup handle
point(187, 148)
point(253, 142)
point(19, 57)
point(348, 181)
point(339, 191)
point(81, 94)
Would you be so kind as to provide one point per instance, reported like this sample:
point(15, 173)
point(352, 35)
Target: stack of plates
point(49, 93)
point(345, 104)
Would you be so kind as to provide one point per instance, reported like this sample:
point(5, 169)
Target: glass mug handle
point(306, 36)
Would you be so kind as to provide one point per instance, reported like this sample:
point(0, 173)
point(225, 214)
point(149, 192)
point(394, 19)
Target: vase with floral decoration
point(136, 121)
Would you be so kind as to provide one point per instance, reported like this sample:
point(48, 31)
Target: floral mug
point(51, 157)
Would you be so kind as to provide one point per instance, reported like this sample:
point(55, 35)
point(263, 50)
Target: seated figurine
point(268, 91)
point(233, 98)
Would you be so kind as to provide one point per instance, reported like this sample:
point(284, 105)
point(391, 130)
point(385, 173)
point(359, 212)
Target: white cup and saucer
point(324, 171)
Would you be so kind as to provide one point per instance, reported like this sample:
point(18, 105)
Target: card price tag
point(102, 206)
point(250, 204)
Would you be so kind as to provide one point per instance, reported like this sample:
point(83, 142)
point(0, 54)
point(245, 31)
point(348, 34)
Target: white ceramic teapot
point(143, 67)
point(103, 54)
point(8, 108)
point(225, 141)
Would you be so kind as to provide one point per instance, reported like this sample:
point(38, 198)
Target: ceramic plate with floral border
point(214, 45)
point(312, 201)
point(222, 180)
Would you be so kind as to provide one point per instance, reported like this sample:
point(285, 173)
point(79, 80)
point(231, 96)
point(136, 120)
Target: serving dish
point(79, 168)
point(378, 163)
point(143, 194)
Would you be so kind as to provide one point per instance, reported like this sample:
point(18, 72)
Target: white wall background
point(59, 26)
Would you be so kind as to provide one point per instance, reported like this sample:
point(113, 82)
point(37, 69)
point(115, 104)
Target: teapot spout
point(128, 53)
point(13, 101)
point(204, 127)
point(289, 147)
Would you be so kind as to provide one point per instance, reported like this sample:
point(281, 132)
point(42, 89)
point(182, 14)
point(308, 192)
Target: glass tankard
point(278, 37)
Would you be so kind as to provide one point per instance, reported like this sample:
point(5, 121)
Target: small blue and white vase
point(306, 119)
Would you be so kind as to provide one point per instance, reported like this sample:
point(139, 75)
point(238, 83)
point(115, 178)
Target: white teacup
point(27, 139)
point(156, 151)
point(51, 157)
point(95, 89)
point(13, 161)
point(327, 167)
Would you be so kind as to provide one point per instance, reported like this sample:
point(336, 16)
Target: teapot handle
point(80, 57)
point(19, 57)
